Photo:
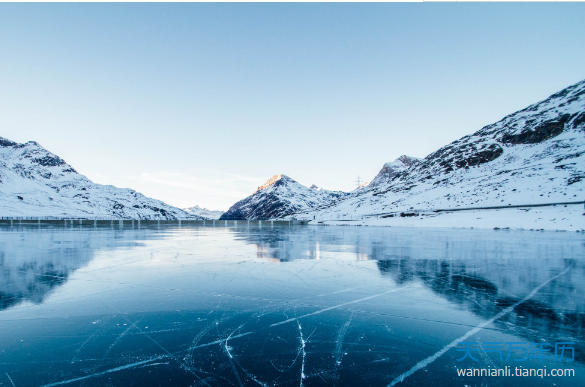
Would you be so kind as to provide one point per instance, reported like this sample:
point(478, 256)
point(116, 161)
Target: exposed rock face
point(469, 156)
point(535, 155)
point(36, 182)
point(278, 197)
point(542, 132)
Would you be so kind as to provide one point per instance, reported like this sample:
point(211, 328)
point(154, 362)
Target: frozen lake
point(288, 306)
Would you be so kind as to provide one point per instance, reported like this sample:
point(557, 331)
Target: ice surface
point(282, 306)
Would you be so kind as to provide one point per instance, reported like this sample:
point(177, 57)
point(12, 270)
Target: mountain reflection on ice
point(34, 261)
point(308, 306)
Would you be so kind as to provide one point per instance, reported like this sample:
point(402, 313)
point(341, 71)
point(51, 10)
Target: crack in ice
point(344, 304)
point(423, 363)
point(230, 358)
point(160, 346)
point(304, 353)
point(340, 338)
point(9, 378)
point(124, 367)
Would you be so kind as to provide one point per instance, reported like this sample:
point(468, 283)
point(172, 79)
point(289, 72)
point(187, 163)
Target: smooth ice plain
point(285, 306)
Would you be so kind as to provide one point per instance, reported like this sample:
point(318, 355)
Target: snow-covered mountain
point(533, 156)
point(391, 169)
point(204, 212)
point(278, 197)
point(36, 182)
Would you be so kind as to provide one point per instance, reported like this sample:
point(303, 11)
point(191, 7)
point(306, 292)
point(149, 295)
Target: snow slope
point(533, 156)
point(279, 197)
point(204, 212)
point(35, 182)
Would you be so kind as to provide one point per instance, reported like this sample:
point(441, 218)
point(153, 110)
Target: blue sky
point(201, 103)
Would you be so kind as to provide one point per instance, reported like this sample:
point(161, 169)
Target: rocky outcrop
point(540, 133)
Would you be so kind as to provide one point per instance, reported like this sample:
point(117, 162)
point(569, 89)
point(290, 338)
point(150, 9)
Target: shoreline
point(558, 218)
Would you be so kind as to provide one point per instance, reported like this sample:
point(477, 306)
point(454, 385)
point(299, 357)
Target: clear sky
point(201, 103)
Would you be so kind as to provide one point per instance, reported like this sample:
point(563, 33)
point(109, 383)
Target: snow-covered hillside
point(204, 212)
point(36, 182)
point(536, 155)
point(279, 197)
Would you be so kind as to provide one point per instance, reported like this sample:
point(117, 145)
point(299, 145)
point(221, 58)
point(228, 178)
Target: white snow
point(204, 212)
point(551, 218)
point(37, 183)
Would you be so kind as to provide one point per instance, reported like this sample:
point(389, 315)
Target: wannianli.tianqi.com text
point(515, 371)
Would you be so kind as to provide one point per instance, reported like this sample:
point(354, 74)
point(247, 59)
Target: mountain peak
point(402, 161)
point(273, 180)
point(393, 168)
point(287, 197)
point(408, 160)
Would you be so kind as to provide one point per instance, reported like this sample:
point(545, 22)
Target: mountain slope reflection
point(481, 271)
point(555, 314)
point(283, 306)
point(33, 261)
